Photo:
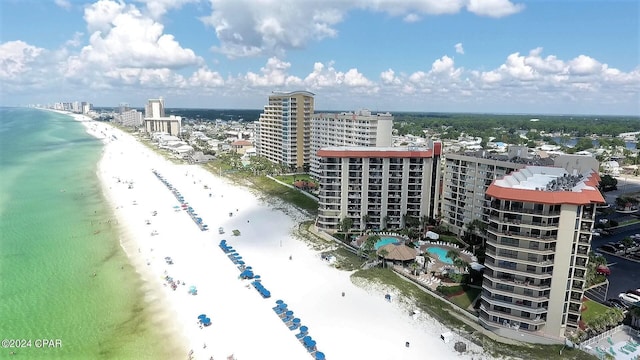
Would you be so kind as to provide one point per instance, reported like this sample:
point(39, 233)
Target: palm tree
point(346, 225)
point(414, 267)
point(365, 220)
point(383, 253)
point(627, 242)
point(460, 264)
point(385, 221)
point(453, 255)
point(369, 245)
point(424, 223)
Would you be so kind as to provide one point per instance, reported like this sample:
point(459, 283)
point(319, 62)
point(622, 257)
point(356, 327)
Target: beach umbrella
point(206, 321)
point(311, 343)
point(306, 339)
point(296, 321)
point(319, 355)
point(304, 329)
point(279, 302)
point(289, 313)
point(176, 207)
point(202, 316)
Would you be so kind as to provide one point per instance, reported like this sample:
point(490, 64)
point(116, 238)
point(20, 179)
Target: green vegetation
point(465, 299)
point(290, 179)
point(592, 310)
point(253, 176)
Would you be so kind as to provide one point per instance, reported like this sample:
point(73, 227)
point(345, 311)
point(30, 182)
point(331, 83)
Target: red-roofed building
point(538, 243)
point(241, 146)
point(377, 187)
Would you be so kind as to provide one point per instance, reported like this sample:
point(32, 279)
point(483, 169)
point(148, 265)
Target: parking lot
point(625, 274)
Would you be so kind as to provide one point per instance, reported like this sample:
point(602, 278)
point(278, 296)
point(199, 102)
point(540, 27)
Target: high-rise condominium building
point(537, 250)
point(468, 175)
point(466, 178)
point(155, 120)
point(283, 132)
point(377, 187)
point(154, 109)
point(361, 128)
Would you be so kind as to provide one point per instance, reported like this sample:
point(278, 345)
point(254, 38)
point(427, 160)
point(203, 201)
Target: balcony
point(515, 305)
point(538, 274)
point(535, 321)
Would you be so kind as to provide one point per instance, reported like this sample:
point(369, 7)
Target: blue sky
point(560, 57)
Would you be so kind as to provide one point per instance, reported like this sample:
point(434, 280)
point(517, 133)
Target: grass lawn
point(288, 179)
point(593, 310)
point(465, 299)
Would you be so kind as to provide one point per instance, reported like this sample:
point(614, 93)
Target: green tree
point(383, 253)
point(346, 224)
point(627, 242)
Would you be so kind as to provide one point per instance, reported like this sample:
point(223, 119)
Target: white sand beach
point(360, 325)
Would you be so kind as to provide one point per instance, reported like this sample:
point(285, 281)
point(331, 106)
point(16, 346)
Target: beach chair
point(610, 341)
point(622, 350)
point(611, 351)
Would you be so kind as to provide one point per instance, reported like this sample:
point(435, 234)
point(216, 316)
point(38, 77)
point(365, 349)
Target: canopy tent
point(398, 252)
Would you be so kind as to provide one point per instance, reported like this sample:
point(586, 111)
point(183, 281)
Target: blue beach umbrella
point(202, 316)
point(296, 321)
point(279, 302)
point(319, 355)
point(304, 329)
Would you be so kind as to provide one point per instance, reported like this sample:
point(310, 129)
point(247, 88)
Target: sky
point(477, 56)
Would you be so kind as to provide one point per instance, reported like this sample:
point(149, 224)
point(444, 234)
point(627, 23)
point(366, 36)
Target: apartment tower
point(538, 242)
point(283, 132)
point(377, 187)
point(361, 128)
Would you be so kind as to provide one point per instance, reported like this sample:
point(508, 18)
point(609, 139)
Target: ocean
point(67, 289)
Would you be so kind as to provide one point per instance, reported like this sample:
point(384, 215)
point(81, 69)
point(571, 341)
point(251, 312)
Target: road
point(625, 274)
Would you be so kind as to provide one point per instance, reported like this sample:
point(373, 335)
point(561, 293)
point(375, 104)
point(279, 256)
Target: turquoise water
point(441, 253)
point(385, 241)
point(56, 231)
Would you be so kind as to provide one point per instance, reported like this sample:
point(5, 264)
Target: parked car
point(618, 303)
point(603, 269)
point(629, 298)
point(634, 292)
point(608, 248)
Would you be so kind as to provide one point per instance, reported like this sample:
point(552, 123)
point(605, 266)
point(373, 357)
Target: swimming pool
point(386, 241)
point(441, 253)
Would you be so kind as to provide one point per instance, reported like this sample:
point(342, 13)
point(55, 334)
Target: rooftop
point(549, 185)
point(380, 152)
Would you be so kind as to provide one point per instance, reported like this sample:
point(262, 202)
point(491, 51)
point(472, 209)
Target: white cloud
point(274, 74)
point(157, 8)
point(494, 8)
point(272, 27)
point(269, 27)
point(411, 18)
point(16, 58)
point(389, 77)
point(65, 4)
point(584, 65)
point(459, 48)
point(123, 38)
point(204, 77)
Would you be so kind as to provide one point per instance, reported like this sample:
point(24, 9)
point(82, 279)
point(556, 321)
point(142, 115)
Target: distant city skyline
point(467, 56)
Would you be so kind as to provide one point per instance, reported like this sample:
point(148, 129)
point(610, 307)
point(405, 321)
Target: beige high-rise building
point(155, 120)
point(283, 131)
point(538, 243)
